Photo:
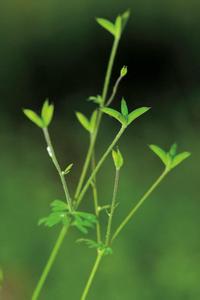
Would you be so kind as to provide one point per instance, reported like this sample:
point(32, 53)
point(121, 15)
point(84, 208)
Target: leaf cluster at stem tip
point(45, 117)
point(124, 117)
point(117, 27)
point(170, 158)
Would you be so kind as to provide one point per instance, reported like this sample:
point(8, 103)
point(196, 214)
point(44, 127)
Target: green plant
point(66, 212)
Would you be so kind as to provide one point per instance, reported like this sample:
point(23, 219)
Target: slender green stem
point(58, 168)
point(95, 198)
point(104, 95)
point(141, 201)
point(85, 168)
point(114, 90)
point(112, 209)
point(92, 274)
point(64, 229)
point(109, 68)
point(104, 156)
point(49, 263)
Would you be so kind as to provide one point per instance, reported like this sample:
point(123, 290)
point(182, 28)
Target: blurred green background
point(55, 49)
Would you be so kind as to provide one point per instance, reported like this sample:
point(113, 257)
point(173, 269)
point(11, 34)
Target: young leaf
point(54, 219)
point(96, 99)
point(179, 158)
point(124, 17)
point(47, 112)
point(137, 113)
point(114, 113)
point(93, 121)
point(118, 26)
point(83, 221)
point(173, 150)
point(106, 24)
point(124, 108)
point(118, 159)
point(123, 71)
point(59, 205)
point(83, 121)
point(31, 115)
point(160, 153)
point(67, 169)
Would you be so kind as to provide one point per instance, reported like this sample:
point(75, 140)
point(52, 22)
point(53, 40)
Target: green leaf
point(59, 205)
point(96, 99)
point(124, 17)
point(160, 153)
point(124, 108)
point(68, 169)
point(118, 159)
point(94, 245)
point(179, 158)
point(47, 112)
point(124, 71)
point(31, 115)
point(93, 121)
point(54, 219)
point(173, 150)
point(83, 221)
point(90, 243)
point(118, 27)
point(137, 113)
point(114, 113)
point(106, 24)
point(83, 121)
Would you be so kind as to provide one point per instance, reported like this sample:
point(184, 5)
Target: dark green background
point(56, 49)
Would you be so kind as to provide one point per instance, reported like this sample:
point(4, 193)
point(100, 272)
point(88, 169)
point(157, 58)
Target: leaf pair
point(45, 118)
point(124, 117)
point(60, 214)
point(98, 246)
point(89, 125)
point(170, 159)
point(118, 26)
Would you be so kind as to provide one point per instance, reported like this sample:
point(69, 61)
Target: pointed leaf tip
point(160, 153)
point(125, 17)
point(114, 114)
point(179, 158)
point(124, 108)
point(31, 115)
point(47, 112)
point(83, 121)
point(137, 113)
point(106, 24)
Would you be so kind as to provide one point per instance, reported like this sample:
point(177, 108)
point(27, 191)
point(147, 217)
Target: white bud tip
point(49, 151)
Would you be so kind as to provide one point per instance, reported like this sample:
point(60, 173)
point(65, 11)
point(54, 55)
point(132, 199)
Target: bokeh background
point(55, 49)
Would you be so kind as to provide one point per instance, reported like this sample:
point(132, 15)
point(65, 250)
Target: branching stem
point(138, 205)
point(104, 156)
point(57, 166)
point(112, 209)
